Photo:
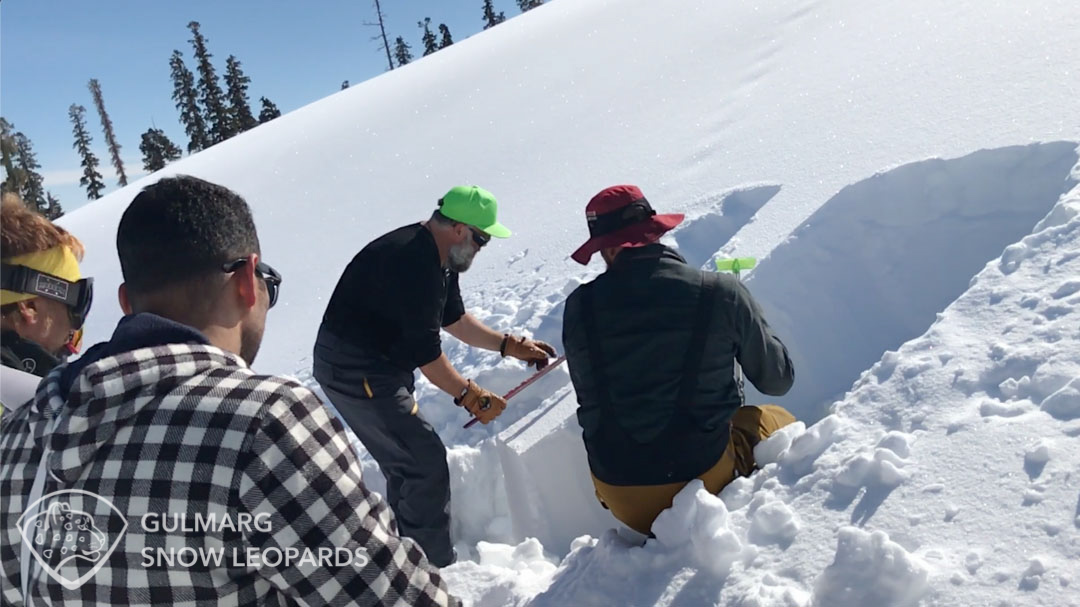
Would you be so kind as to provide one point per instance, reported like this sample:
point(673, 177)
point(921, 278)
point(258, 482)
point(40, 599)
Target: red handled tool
point(542, 372)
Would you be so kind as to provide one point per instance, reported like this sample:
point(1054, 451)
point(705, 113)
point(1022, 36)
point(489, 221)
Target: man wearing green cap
point(382, 323)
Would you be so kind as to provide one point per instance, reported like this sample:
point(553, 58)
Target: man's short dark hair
point(182, 228)
point(439, 218)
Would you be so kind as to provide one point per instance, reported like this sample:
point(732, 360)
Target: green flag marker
point(736, 264)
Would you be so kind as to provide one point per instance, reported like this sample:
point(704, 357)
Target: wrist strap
point(502, 347)
point(461, 397)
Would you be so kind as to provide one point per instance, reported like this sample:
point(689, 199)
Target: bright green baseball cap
point(473, 206)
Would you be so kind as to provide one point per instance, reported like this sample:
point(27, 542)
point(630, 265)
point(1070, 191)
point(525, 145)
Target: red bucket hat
point(620, 216)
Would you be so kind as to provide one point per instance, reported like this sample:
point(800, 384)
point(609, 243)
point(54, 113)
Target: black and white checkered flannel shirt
point(175, 434)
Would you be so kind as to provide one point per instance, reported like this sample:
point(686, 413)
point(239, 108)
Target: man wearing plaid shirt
point(159, 469)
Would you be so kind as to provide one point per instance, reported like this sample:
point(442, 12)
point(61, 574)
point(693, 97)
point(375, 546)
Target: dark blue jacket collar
point(134, 331)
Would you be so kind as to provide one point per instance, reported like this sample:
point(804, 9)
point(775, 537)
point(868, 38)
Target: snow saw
point(542, 372)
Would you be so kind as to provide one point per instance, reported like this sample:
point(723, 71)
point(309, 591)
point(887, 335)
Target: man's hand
point(533, 352)
point(482, 404)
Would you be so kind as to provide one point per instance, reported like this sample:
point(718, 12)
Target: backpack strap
point(596, 356)
point(696, 349)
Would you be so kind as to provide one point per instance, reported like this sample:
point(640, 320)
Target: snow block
point(869, 569)
point(549, 490)
point(1065, 403)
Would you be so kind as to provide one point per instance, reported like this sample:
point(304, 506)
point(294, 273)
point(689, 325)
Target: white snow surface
point(906, 173)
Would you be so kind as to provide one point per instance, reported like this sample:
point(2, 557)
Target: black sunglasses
point(78, 296)
point(480, 238)
point(269, 275)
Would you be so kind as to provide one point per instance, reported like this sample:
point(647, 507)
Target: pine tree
point(491, 19)
point(31, 190)
point(213, 100)
point(157, 150)
point(528, 5)
point(9, 151)
point(107, 128)
point(431, 43)
point(91, 179)
point(269, 110)
point(237, 84)
point(20, 166)
point(187, 102)
point(401, 51)
point(446, 39)
point(53, 210)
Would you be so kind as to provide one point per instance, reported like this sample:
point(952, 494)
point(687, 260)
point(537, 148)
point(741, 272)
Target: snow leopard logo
point(60, 535)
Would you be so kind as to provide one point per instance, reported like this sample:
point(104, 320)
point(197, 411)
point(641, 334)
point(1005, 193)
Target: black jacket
point(25, 355)
point(394, 298)
point(645, 309)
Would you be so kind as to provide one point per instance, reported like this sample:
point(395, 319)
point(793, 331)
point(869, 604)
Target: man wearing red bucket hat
point(382, 323)
point(652, 345)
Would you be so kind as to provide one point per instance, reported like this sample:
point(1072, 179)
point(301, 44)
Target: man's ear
point(122, 295)
point(246, 282)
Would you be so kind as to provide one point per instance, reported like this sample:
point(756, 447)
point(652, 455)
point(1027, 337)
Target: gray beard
point(460, 257)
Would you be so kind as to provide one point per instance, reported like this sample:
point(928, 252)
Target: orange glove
point(482, 404)
point(533, 352)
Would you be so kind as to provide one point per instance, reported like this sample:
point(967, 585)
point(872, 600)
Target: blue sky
point(294, 52)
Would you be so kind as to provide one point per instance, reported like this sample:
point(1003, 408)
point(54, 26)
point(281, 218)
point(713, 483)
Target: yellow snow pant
point(637, 506)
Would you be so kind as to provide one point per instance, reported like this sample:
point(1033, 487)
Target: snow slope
point(948, 475)
point(898, 168)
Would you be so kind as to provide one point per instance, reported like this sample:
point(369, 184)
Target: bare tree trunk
point(382, 28)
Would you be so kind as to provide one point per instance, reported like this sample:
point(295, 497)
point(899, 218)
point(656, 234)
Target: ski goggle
point(77, 296)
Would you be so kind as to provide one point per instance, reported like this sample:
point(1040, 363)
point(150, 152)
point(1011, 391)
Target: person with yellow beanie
point(44, 298)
